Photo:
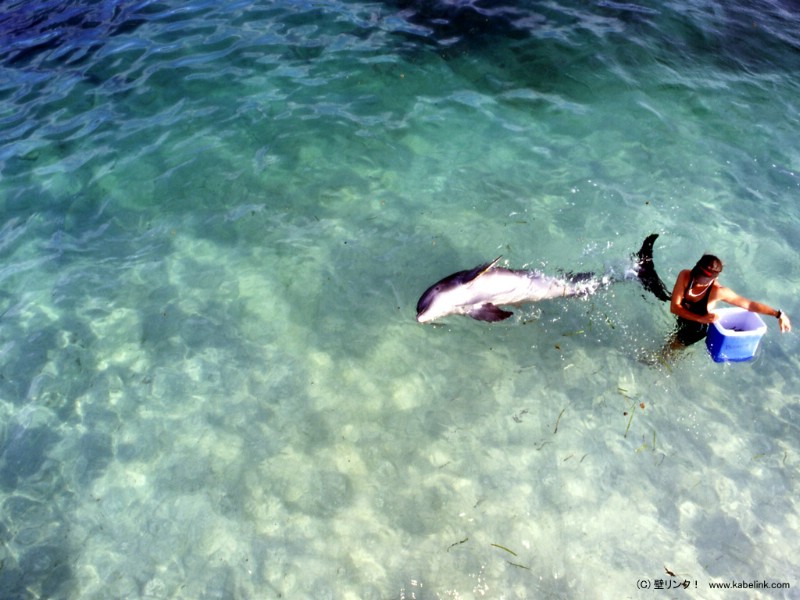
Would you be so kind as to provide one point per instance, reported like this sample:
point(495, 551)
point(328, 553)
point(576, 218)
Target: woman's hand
point(784, 323)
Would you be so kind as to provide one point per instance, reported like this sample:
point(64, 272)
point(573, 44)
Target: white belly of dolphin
point(503, 286)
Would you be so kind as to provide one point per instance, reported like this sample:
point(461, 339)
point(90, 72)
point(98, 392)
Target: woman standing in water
point(696, 292)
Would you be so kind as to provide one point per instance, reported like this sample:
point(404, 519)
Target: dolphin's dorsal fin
point(472, 274)
point(478, 271)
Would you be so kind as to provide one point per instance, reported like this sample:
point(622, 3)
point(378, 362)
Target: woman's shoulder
point(723, 293)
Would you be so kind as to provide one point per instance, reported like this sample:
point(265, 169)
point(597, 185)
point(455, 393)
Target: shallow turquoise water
point(216, 222)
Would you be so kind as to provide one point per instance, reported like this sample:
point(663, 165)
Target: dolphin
point(480, 292)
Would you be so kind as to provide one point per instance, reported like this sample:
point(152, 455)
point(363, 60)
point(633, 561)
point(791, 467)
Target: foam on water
point(216, 222)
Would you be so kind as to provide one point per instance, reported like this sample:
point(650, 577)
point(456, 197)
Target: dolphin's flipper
point(646, 271)
point(489, 312)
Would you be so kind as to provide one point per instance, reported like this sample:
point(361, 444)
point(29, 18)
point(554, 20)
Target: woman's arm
point(728, 295)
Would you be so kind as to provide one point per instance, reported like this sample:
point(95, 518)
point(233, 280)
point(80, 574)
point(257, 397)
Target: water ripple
point(216, 218)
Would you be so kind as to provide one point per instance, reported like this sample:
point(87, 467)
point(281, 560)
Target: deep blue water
point(217, 219)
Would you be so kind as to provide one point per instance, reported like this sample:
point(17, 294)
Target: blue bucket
point(735, 336)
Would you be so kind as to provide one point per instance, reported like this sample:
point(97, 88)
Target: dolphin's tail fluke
point(646, 271)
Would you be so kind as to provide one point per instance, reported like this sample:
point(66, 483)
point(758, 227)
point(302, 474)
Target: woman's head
point(707, 268)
